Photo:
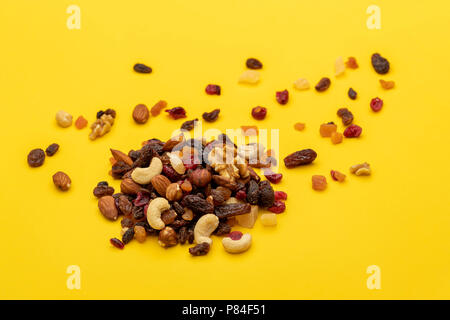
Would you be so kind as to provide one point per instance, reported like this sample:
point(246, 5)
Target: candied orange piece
point(156, 109)
point(299, 126)
point(387, 84)
point(81, 122)
point(327, 129)
point(336, 137)
point(319, 183)
point(337, 176)
point(351, 63)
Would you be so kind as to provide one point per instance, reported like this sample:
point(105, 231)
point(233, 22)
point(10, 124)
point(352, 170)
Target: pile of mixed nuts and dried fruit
point(188, 190)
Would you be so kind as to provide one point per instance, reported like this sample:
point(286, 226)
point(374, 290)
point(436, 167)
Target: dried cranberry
point(142, 199)
point(376, 104)
point(177, 112)
point(280, 195)
point(117, 243)
point(272, 176)
point(213, 89)
point(352, 94)
point(259, 113)
point(170, 173)
point(353, 131)
point(190, 164)
point(282, 96)
point(241, 195)
point(277, 207)
point(235, 235)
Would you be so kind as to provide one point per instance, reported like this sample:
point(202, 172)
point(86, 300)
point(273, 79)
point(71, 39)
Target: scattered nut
point(61, 181)
point(128, 186)
point(140, 234)
point(362, 169)
point(64, 119)
point(250, 77)
point(108, 207)
point(141, 113)
point(237, 246)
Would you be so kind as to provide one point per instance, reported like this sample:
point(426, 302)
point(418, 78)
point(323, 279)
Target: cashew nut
point(237, 246)
point(204, 227)
point(177, 163)
point(144, 175)
point(155, 208)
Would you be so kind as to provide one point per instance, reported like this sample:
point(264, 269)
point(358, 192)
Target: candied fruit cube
point(339, 66)
point(327, 129)
point(269, 219)
point(250, 76)
point(301, 84)
point(319, 182)
point(336, 137)
point(299, 126)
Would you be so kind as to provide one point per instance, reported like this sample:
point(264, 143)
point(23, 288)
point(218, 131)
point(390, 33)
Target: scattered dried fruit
point(323, 84)
point(266, 195)
point(300, 158)
point(211, 116)
point(352, 131)
point(142, 68)
point(81, 122)
point(380, 64)
point(346, 115)
point(117, 243)
point(200, 249)
point(52, 149)
point(36, 158)
point(269, 219)
point(351, 63)
point(253, 63)
point(212, 89)
point(352, 94)
point(63, 118)
point(156, 109)
point(177, 113)
point(326, 129)
point(272, 176)
point(280, 195)
point(376, 104)
point(387, 84)
point(250, 77)
point(319, 183)
point(141, 114)
point(103, 189)
point(339, 66)
point(362, 169)
point(259, 113)
point(337, 176)
point(299, 126)
point(336, 137)
point(61, 181)
point(301, 84)
point(282, 97)
point(189, 125)
point(277, 207)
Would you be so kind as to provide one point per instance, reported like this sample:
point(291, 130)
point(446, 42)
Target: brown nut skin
point(174, 192)
point(167, 237)
point(128, 186)
point(200, 177)
point(61, 181)
point(108, 207)
point(141, 114)
point(160, 183)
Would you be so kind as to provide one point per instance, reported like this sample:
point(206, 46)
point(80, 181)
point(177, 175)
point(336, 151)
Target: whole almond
point(120, 156)
point(61, 181)
point(141, 113)
point(174, 192)
point(160, 183)
point(108, 208)
point(128, 186)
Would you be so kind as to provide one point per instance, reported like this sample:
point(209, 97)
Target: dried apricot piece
point(336, 137)
point(319, 183)
point(351, 63)
point(326, 129)
point(299, 126)
point(81, 122)
point(387, 84)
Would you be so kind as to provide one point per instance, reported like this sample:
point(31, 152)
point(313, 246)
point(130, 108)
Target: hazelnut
point(167, 237)
point(61, 181)
point(64, 119)
point(200, 177)
point(174, 192)
point(141, 113)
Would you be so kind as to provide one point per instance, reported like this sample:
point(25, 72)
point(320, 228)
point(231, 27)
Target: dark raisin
point(253, 63)
point(266, 194)
point(178, 223)
point(220, 195)
point(191, 237)
point(252, 192)
point(146, 154)
point(52, 149)
point(178, 208)
point(126, 223)
point(128, 235)
point(197, 204)
point(323, 84)
point(380, 64)
point(182, 235)
point(346, 115)
point(142, 68)
point(189, 125)
point(232, 209)
point(101, 191)
point(124, 205)
point(211, 116)
point(138, 213)
point(352, 94)
point(102, 183)
point(119, 169)
point(117, 243)
point(177, 113)
point(36, 158)
point(213, 89)
point(200, 249)
point(222, 228)
point(100, 113)
point(282, 96)
point(110, 112)
point(134, 154)
point(259, 113)
point(299, 158)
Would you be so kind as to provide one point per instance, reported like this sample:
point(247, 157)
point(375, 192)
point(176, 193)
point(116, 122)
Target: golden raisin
point(156, 109)
point(387, 84)
point(140, 234)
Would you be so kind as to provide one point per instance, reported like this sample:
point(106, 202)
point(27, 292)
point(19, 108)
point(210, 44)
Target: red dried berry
point(241, 195)
point(142, 199)
point(280, 195)
point(117, 243)
point(170, 173)
point(235, 235)
point(376, 104)
point(259, 113)
point(353, 131)
point(282, 96)
point(277, 207)
point(213, 89)
point(177, 112)
point(272, 176)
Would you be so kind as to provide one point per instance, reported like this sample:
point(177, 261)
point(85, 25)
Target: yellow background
point(397, 219)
